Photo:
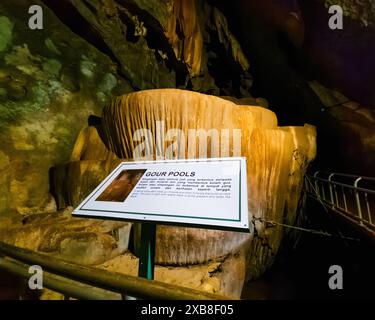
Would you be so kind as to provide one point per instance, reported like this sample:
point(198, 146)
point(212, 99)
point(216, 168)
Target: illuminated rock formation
point(276, 162)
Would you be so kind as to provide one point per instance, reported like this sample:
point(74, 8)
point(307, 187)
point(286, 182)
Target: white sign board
point(198, 193)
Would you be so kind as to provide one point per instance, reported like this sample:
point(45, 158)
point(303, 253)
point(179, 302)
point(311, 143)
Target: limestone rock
point(178, 109)
point(184, 246)
point(189, 46)
point(81, 241)
point(51, 295)
point(89, 146)
point(71, 183)
point(304, 151)
point(184, 44)
point(261, 102)
point(45, 99)
point(269, 152)
point(225, 276)
point(90, 162)
point(51, 83)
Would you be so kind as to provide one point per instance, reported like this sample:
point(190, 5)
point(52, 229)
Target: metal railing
point(80, 282)
point(351, 196)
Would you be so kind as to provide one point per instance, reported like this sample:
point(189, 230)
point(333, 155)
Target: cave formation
point(73, 93)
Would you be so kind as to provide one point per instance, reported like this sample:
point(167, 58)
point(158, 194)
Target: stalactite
point(184, 34)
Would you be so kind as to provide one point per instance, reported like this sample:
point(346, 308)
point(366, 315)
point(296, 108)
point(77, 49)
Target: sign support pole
point(147, 251)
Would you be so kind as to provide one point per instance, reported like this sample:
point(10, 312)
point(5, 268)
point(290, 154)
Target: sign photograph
point(201, 192)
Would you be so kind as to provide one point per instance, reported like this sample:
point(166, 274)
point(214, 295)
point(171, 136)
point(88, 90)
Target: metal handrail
point(67, 287)
point(109, 281)
point(353, 217)
point(345, 175)
point(359, 199)
point(347, 185)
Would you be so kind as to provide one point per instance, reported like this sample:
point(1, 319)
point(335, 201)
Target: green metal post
point(147, 252)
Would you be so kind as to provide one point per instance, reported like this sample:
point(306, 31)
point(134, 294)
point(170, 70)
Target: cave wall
point(184, 44)
point(52, 80)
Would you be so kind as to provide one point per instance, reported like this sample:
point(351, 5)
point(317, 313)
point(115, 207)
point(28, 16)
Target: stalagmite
point(277, 159)
point(269, 152)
